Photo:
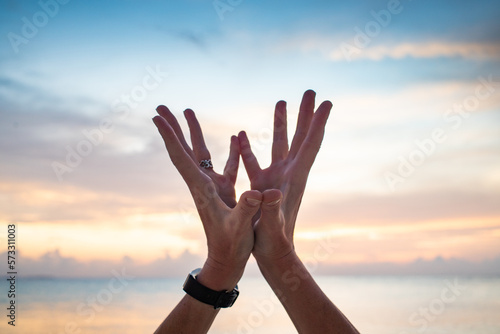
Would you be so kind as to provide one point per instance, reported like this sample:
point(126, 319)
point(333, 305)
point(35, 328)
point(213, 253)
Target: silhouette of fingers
point(180, 158)
point(231, 169)
point(306, 113)
point(280, 137)
point(164, 112)
point(249, 160)
point(312, 143)
point(200, 149)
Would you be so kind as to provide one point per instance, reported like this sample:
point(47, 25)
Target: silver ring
point(206, 164)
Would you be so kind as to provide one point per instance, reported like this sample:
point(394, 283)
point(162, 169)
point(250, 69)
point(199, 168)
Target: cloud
point(436, 266)
point(42, 202)
point(53, 264)
point(195, 38)
point(427, 50)
point(338, 48)
point(429, 101)
point(411, 207)
point(39, 128)
point(341, 47)
point(130, 179)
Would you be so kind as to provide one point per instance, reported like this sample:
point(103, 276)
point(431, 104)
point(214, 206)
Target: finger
point(280, 138)
point(312, 143)
point(164, 112)
point(306, 113)
point(249, 160)
point(248, 205)
point(200, 149)
point(273, 234)
point(231, 169)
point(180, 158)
point(270, 209)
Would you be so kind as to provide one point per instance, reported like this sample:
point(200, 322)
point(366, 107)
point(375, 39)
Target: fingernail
point(253, 201)
point(274, 202)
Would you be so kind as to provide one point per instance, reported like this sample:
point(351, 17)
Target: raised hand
point(284, 181)
point(231, 237)
point(227, 224)
point(282, 185)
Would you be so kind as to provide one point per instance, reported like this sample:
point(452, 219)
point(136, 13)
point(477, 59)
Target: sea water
point(374, 304)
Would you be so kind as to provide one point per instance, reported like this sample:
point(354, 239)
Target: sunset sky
point(409, 169)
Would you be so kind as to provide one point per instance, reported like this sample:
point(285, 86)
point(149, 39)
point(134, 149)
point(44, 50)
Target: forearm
point(310, 310)
point(189, 316)
point(192, 316)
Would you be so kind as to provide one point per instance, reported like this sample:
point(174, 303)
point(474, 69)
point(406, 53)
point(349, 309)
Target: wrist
point(277, 249)
point(276, 260)
point(218, 276)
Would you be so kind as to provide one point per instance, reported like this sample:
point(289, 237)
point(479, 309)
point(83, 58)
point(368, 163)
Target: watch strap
point(217, 299)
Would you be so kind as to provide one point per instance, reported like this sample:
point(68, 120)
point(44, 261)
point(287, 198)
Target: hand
point(227, 223)
point(284, 181)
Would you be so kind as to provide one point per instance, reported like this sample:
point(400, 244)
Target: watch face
point(195, 272)
point(185, 282)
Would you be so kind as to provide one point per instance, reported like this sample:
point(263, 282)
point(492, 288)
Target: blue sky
point(401, 85)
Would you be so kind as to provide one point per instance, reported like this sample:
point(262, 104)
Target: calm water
point(375, 305)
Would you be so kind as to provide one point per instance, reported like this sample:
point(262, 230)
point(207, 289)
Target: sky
point(407, 179)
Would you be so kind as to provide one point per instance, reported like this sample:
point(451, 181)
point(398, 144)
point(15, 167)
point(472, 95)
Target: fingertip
point(242, 136)
point(188, 112)
point(162, 125)
point(162, 110)
point(253, 202)
point(272, 197)
point(244, 143)
point(273, 203)
point(310, 92)
point(252, 197)
point(234, 144)
point(326, 108)
point(252, 193)
point(235, 141)
point(157, 119)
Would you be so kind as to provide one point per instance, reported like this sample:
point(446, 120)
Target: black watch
point(208, 296)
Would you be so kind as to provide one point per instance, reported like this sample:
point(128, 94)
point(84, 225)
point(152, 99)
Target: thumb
point(270, 209)
point(249, 204)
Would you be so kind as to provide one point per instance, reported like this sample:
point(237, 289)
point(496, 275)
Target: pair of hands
point(262, 222)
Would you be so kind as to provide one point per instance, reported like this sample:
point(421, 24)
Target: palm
point(224, 186)
point(272, 177)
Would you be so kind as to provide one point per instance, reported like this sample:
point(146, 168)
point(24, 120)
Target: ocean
point(374, 304)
